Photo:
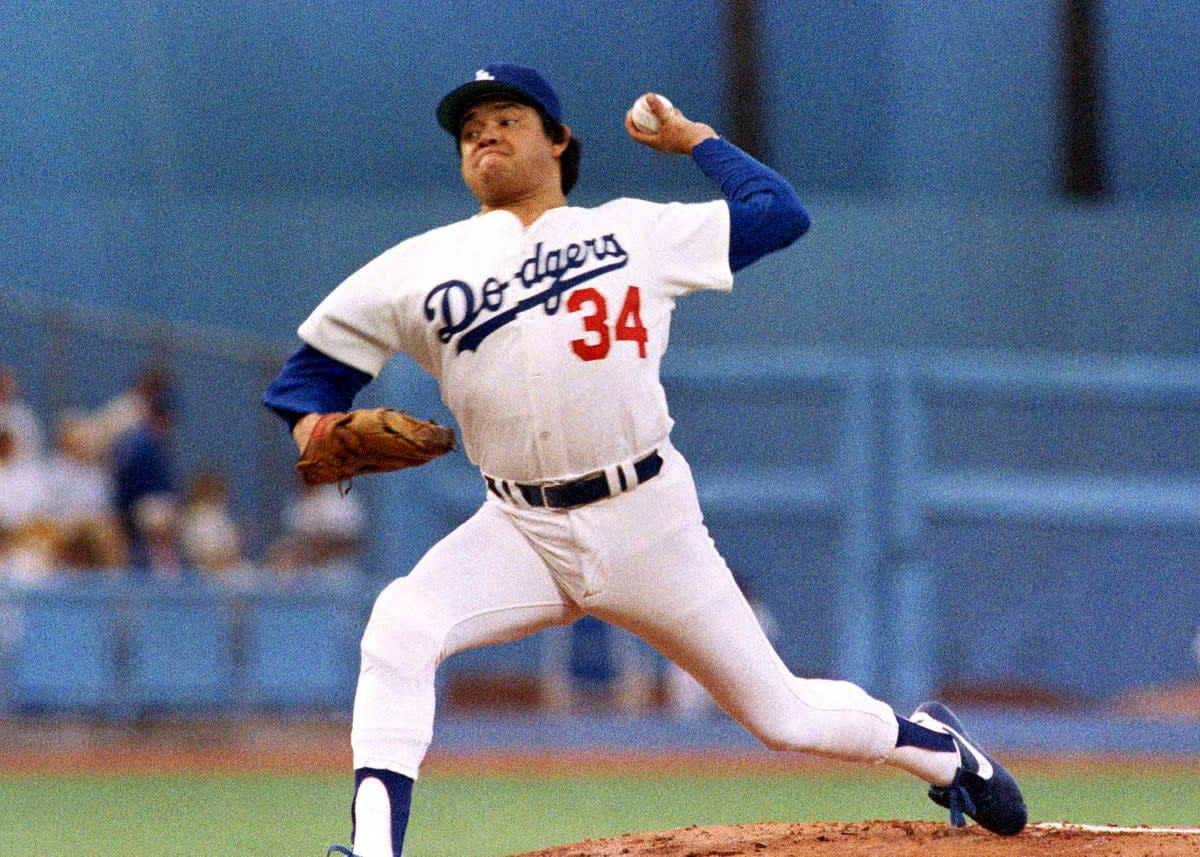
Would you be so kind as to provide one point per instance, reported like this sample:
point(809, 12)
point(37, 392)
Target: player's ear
point(561, 146)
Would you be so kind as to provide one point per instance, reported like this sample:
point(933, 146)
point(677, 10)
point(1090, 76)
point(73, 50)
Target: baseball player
point(544, 325)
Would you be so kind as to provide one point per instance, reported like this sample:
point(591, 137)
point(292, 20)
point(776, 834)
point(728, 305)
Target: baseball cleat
point(982, 788)
point(339, 849)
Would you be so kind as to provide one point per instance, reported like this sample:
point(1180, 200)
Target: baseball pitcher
point(544, 325)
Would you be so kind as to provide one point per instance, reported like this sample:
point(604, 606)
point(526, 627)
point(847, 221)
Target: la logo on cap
point(484, 74)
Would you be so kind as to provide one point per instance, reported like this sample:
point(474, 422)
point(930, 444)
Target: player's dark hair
point(571, 156)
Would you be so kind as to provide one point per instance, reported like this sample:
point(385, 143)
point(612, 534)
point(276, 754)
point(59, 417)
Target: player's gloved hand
point(341, 445)
point(676, 133)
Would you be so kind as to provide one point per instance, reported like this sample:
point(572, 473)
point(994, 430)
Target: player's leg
point(701, 621)
point(691, 609)
point(483, 584)
point(656, 572)
point(677, 593)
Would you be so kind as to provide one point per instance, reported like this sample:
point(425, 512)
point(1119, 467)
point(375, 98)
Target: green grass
point(260, 815)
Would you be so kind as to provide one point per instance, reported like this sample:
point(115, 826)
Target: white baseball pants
point(642, 560)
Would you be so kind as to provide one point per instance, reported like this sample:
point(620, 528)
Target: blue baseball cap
point(520, 82)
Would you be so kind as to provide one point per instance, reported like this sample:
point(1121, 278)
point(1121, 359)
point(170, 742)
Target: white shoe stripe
point(985, 767)
point(985, 770)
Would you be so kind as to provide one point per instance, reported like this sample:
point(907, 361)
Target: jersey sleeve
point(313, 383)
point(690, 242)
point(765, 213)
point(356, 323)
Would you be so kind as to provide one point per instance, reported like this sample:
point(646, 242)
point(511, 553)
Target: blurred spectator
point(133, 407)
point(145, 494)
point(324, 532)
point(209, 537)
point(81, 490)
point(29, 554)
point(27, 435)
point(27, 537)
point(590, 664)
point(156, 545)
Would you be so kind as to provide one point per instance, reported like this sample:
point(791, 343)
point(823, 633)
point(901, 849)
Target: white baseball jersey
point(545, 340)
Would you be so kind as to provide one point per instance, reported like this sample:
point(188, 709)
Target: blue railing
point(1044, 514)
point(134, 647)
point(912, 521)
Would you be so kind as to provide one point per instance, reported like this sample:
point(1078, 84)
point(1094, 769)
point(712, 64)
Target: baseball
point(643, 118)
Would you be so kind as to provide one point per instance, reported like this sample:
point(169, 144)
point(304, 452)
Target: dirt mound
point(893, 838)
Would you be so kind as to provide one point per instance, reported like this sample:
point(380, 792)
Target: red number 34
point(629, 327)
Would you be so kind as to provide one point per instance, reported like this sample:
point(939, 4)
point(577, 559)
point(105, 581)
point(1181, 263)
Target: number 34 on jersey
point(604, 330)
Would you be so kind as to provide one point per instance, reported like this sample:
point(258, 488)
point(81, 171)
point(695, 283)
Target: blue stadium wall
point(990, 386)
point(229, 162)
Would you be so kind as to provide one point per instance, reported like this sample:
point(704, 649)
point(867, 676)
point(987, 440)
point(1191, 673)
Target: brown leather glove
point(371, 440)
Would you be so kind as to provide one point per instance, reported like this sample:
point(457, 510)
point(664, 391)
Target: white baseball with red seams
point(643, 117)
point(545, 341)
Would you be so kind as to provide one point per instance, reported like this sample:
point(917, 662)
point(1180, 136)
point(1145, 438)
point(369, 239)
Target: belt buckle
point(545, 499)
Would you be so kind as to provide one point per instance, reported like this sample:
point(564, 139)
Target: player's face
point(506, 156)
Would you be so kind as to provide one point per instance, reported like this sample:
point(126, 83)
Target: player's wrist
point(303, 429)
point(702, 134)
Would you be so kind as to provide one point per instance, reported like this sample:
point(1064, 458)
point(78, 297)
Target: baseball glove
point(371, 440)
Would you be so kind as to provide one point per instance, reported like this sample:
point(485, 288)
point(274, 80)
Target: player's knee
point(837, 719)
point(806, 731)
point(404, 632)
point(776, 734)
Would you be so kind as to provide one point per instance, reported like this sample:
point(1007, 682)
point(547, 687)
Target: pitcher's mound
point(893, 838)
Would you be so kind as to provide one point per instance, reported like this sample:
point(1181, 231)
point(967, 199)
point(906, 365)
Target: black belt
point(579, 492)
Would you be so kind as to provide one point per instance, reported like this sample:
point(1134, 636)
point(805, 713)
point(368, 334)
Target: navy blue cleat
point(982, 788)
point(339, 849)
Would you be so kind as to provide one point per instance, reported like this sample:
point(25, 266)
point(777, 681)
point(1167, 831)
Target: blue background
point(225, 164)
point(228, 163)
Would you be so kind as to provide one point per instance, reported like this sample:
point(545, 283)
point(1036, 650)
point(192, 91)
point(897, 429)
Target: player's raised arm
point(665, 128)
point(765, 214)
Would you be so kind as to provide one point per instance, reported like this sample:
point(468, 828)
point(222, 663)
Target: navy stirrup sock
point(915, 735)
point(399, 790)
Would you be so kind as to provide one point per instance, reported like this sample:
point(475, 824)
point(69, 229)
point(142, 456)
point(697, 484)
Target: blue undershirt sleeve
point(765, 214)
point(313, 383)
